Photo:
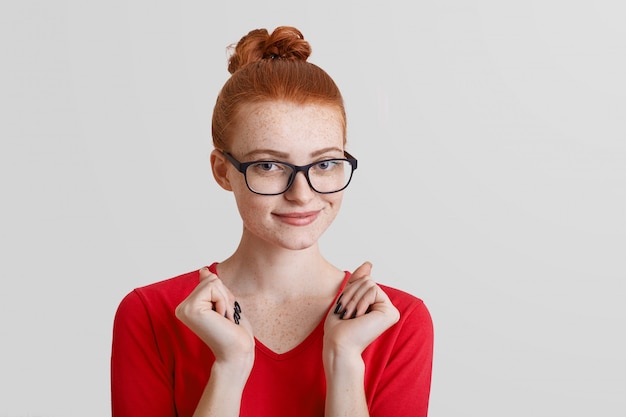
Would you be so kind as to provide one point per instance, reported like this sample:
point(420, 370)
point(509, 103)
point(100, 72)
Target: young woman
point(274, 329)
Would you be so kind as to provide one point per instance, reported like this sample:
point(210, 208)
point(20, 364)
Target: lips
point(298, 219)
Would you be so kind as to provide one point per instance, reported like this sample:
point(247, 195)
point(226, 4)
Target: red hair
point(272, 67)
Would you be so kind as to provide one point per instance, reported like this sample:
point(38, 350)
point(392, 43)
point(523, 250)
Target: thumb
point(361, 272)
point(205, 273)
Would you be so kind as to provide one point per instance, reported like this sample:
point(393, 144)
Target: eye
point(266, 166)
point(326, 165)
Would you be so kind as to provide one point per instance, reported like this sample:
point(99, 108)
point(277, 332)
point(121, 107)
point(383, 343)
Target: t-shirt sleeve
point(404, 387)
point(140, 382)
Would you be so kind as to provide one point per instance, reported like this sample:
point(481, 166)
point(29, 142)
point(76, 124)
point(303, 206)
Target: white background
point(492, 184)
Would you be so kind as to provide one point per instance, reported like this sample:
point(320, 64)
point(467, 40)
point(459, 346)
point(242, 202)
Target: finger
point(358, 298)
point(223, 300)
point(362, 271)
point(226, 304)
point(365, 299)
point(343, 302)
point(237, 312)
point(220, 296)
point(205, 273)
point(209, 294)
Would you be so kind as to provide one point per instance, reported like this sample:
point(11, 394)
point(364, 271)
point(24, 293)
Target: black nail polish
point(237, 307)
point(236, 318)
point(353, 315)
point(339, 299)
point(343, 314)
point(338, 308)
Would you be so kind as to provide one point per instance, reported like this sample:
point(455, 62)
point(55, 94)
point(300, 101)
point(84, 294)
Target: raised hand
point(213, 314)
point(362, 313)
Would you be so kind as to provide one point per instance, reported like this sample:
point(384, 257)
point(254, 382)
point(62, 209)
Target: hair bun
point(285, 42)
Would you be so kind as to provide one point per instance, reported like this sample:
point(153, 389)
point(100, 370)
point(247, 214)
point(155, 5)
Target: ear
point(219, 166)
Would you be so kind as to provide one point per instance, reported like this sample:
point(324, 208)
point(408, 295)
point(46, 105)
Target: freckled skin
point(298, 132)
point(284, 325)
point(282, 318)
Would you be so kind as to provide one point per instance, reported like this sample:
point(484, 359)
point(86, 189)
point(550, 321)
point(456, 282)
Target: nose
point(300, 189)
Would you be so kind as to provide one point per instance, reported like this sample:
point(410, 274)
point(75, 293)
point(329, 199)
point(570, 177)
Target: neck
point(260, 268)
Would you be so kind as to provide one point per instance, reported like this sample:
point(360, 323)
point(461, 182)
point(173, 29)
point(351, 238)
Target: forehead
point(284, 125)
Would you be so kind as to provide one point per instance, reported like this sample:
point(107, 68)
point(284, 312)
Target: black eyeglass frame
point(243, 166)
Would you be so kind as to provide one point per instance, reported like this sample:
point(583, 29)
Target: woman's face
point(297, 134)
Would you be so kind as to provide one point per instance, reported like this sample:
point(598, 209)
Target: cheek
point(336, 205)
point(334, 199)
point(251, 206)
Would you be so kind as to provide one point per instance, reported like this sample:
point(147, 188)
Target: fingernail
point(339, 299)
point(337, 308)
point(237, 307)
point(236, 317)
point(343, 314)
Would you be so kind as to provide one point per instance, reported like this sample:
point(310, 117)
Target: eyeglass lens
point(275, 177)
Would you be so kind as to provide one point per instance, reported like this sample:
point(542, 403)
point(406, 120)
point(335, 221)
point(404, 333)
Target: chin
point(297, 244)
point(289, 238)
point(296, 241)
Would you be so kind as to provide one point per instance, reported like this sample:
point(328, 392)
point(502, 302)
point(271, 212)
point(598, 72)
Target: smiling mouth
point(299, 215)
point(298, 219)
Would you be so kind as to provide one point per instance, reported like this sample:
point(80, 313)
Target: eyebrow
point(283, 155)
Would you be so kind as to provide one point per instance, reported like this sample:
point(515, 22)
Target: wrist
point(234, 373)
point(341, 361)
point(345, 383)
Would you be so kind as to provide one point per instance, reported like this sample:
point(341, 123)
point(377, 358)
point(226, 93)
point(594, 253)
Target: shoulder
point(161, 295)
point(414, 314)
point(171, 288)
point(411, 337)
point(403, 300)
point(399, 362)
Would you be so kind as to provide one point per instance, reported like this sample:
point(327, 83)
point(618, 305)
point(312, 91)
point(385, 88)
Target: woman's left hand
point(362, 313)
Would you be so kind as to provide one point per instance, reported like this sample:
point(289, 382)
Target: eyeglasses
point(275, 177)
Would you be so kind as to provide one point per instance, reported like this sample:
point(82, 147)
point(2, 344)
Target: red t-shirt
point(159, 368)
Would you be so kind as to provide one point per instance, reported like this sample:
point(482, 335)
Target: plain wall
point(491, 137)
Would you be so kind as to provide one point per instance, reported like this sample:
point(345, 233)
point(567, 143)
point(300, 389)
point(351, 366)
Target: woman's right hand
point(210, 312)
